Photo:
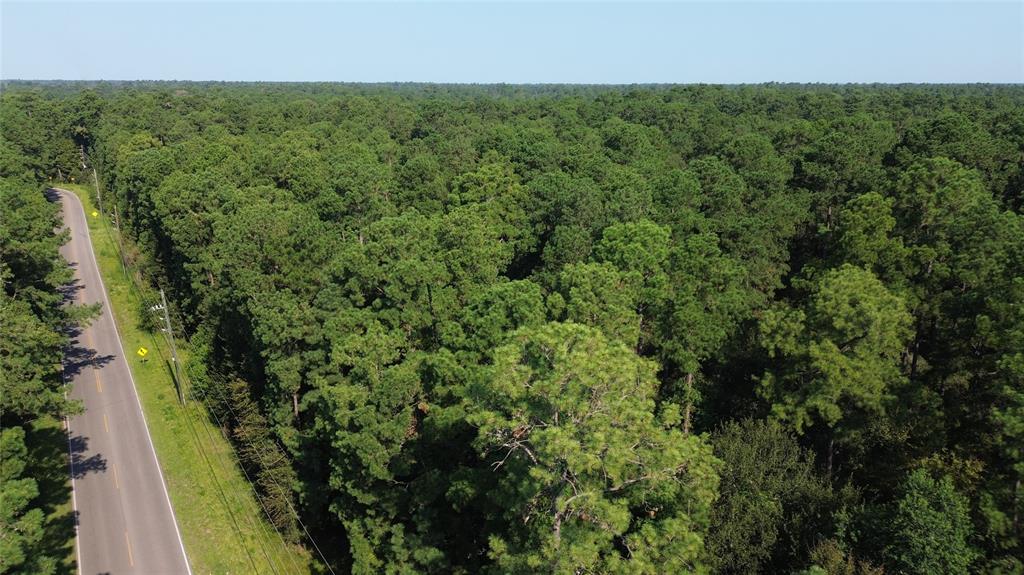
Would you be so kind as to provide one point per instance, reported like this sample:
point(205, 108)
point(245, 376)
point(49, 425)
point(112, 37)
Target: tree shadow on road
point(69, 291)
point(82, 465)
point(78, 356)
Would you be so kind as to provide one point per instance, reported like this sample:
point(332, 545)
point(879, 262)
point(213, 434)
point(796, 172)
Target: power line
point(191, 393)
point(259, 453)
point(262, 461)
point(254, 526)
point(227, 505)
point(247, 478)
point(188, 418)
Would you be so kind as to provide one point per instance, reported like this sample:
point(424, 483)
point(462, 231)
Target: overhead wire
point(254, 526)
point(212, 412)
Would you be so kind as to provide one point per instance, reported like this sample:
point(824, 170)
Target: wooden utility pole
point(99, 194)
point(174, 350)
point(120, 242)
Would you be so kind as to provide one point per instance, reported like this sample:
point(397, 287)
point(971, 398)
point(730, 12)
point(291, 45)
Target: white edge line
point(71, 458)
point(71, 466)
point(74, 499)
point(149, 438)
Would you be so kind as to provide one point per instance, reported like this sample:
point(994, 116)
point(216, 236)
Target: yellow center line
point(131, 560)
point(117, 483)
point(106, 426)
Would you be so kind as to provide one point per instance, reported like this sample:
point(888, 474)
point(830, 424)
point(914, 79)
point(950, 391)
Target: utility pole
point(120, 242)
point(99, 194)
point(95, 180)
point(174, 350)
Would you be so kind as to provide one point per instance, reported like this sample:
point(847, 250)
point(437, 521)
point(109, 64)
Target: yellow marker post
point(95, 214)
point(142, 352)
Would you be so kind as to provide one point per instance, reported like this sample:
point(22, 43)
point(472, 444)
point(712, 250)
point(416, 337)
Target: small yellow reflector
point(95, 214)
point(142, 352)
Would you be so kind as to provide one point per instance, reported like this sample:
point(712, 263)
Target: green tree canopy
point(840, 355)
point(592, 475)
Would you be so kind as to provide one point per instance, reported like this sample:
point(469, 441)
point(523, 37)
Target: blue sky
point(488, 41)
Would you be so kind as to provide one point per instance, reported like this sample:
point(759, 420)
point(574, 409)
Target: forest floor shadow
point(48, 465)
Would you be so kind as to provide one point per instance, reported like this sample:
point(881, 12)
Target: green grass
point(218, 514)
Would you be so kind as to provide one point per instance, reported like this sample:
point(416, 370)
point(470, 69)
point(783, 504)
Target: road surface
point(125, 520)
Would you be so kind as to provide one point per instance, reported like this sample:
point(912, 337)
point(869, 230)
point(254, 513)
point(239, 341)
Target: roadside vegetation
point(36, 517)
point(566, 329)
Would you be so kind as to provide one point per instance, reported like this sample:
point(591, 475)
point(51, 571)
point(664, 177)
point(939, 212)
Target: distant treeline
point(585, 329)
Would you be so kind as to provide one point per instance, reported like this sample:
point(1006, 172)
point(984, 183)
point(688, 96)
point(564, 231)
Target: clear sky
point(486, 41)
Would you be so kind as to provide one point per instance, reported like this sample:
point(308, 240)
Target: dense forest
point(569, 329)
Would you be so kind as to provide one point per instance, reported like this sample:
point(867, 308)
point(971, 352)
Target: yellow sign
point(142, 352)
point(95, 213)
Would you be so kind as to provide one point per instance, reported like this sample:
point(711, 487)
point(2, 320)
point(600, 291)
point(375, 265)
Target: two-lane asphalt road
point(125, 520)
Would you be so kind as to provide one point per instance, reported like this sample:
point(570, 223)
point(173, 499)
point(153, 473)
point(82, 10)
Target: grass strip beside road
point(219, 516)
